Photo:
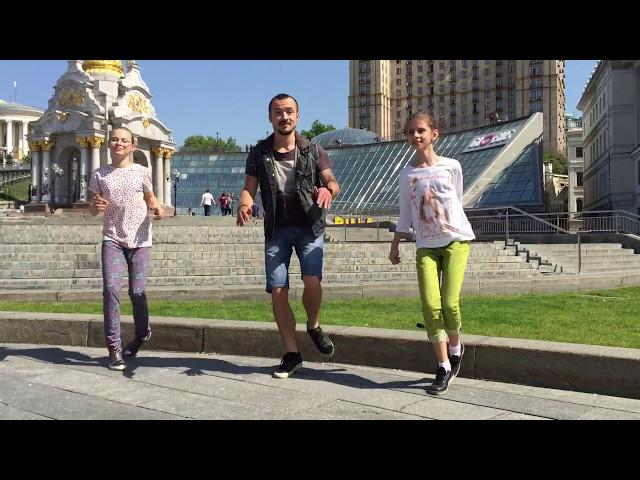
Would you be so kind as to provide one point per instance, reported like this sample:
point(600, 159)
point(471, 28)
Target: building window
point(420, 91)
point(420, 68)
point(398, 71)
point(464, 63)
point(452, 88)
point(398, 93)
point(441, 88)
point(398, 82)
point(463, 120)
point(578, 152)
point(420, 102)
point(486, 72)
point(442, 110)
point(463, 74)
point(441, 65)
point(452, 121)
point(364, 89)
point(499, 83)
point(578, 179)
point(420, 79)
point(441, 77)
point(397, 113)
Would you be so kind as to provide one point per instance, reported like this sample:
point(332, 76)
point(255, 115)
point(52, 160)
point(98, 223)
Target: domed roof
point(14, 108)
point(113, 67)
point(346, 136)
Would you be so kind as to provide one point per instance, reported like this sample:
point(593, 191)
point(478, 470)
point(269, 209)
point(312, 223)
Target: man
point(208, 201)
point(297, 187)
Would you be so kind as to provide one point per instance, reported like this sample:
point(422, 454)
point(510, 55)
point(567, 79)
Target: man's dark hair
point(207, 190)
point(282, 96)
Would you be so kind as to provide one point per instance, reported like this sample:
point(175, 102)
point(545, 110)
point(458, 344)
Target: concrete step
point(244, 280)
point(69, 269)
point(561, 247)
point(200, 260)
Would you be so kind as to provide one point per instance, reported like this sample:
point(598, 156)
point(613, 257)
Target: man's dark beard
point(282, 127)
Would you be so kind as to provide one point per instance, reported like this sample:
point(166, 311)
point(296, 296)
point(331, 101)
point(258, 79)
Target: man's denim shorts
point(278, 249)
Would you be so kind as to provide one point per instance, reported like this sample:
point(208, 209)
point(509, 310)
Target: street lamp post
point(176, 181)
point(57, 173)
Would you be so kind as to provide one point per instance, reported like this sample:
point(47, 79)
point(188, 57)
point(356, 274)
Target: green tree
point(198, 142)
point(230, 145)
point(201, 143)
point(317, 128)
point(558, 159)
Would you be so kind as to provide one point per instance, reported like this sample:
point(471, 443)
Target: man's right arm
point(247, 195)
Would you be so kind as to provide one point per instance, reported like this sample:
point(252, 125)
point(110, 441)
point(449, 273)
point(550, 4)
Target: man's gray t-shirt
point(289, 210)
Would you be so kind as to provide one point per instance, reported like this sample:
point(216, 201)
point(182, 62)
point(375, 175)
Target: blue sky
point(230, 96)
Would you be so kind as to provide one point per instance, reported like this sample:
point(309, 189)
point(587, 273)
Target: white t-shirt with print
point(126, 220)
point(431, 204)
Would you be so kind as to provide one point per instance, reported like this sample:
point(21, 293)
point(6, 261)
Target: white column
point(155, 165)
point(166, 176)
point(23, 138)
point(9, 136)
point(95, 153)
point(2, 151)
point(46, 145)
point(35, 172)
point(84, 168)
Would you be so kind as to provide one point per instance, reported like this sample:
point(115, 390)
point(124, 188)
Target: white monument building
point(69, 141)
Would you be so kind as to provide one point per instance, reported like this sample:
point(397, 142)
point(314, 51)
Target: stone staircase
point(596, 257)
point(200, 253)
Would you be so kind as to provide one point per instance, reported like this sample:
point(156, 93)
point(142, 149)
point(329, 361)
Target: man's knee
point(280, 294)
point(311, 281)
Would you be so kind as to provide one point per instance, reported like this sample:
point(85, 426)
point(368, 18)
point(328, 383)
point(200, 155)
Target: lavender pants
point(114, 260)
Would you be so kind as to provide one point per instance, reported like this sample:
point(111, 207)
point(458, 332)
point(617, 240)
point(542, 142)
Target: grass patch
point(18, 190)
point(604, 317)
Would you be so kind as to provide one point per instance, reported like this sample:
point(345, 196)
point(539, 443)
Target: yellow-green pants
point(441, 304)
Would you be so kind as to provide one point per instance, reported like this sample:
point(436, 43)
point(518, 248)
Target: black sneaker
point(115, 360)
point(441, 384)
point(322, 342)
point(455, 361)
point(131, 350)
point(291, 361)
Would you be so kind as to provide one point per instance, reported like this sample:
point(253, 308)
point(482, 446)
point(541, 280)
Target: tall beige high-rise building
point(461, 94)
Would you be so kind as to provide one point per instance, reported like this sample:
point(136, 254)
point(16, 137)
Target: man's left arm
point(329, 188)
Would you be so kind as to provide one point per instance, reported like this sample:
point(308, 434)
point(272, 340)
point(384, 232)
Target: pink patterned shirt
point(126, 220)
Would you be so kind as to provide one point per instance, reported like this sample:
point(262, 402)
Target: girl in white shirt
point(431, 203)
